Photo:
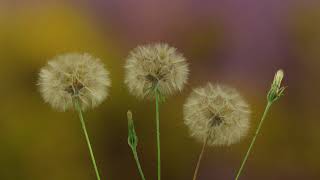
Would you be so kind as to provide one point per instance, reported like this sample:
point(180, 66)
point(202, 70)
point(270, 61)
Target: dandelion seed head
point(155, 65)
point(71, 76)
point(218, 113)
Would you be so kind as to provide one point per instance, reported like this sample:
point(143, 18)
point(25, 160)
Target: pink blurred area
point(239, 43)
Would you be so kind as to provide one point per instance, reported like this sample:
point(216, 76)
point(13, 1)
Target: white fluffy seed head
point(217, 113)
point(155, 66)
point(71, 76)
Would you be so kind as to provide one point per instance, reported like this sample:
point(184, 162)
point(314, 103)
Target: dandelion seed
point(77, 81)
point(155, 66)
point(74, 75)
point(155, 71)
point(217, 114)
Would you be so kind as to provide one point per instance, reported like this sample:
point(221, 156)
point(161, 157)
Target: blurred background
point(239, 43)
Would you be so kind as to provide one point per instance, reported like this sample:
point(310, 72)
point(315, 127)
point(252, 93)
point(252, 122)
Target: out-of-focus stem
point(158, 133)
point(199, 159)
point(253, 140)
point(78, 109)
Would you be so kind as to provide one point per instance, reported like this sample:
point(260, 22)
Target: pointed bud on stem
point(132, 137)
point(276, 91)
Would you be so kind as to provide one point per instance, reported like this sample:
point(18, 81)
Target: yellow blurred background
point(241, 44)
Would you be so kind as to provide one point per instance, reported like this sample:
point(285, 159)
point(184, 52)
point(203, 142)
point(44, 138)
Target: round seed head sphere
point(155, 66)
point(218, 114)
point(73, 75)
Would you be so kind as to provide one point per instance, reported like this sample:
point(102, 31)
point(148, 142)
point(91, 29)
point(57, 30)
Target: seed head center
point(152, 78)
point(216, 120)
point(75, 87)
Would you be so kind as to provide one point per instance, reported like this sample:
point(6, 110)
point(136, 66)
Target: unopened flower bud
point(276, 90)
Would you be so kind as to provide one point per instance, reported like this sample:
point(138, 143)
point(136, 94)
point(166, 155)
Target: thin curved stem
point(158, 132)
point(253, 139)
point(135, 154)
point(199, 159)
point(78, 109)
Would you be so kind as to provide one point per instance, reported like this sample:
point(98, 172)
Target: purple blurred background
point(239, 43)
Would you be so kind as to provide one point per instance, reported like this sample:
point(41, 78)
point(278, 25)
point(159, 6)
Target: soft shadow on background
point(239, 43)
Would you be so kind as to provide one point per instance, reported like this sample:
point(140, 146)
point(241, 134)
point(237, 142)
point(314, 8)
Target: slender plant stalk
point(200, 158)
point(158, 132)
point(253, 139)
point(78, 108)
point(133, 142)
point(135, 154)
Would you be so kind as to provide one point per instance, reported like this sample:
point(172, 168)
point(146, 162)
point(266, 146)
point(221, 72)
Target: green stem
point(158, 132)
point(253, 139)
point(135, 154)
point(199, 159)
point(78, 108)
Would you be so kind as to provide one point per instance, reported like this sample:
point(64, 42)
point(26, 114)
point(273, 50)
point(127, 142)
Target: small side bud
point(132, 137)
point(129, 115)
point(276, 91)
